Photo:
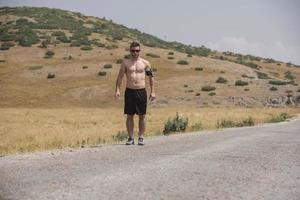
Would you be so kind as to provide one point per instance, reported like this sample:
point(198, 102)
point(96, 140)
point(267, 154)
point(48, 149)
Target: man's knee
point(130, 117)
point(142, 117)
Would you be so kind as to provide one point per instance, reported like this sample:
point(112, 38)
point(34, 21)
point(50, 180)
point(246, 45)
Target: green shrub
point(170, 58)
point(102, 73)
point(152, 55)
point(198, 68)
point(208, 88)
point(273, 88)
point(241, 83)
point(197, 126)
point(278, 82)
point(197, 94)
point(110, 47)
point(246, 89)
point(50, 75)
point(84, 67)
point(229, 123)
point(58, 33)
point(35, 67)
point(86, 48)
point(6, 45)
point(189, 55)
point(128, 56)
point(26, 37)
point(221, 80)
point(171, 53)
point(4, 37)
point(289, 75)
point(185, 85)
point(121, 136)
point(225, 124)
point(262, 75)
point(212, 94)
point(177, 124)
point(182, 62)
point(49, 54)
point(75, 43)
point(246, 122)
point(279, 118)
point(119, 61)
point(108, 66)
point(63, 39)
point(245, 76)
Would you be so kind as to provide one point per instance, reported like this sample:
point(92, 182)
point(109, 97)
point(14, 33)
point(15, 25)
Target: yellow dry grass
point(37, 129)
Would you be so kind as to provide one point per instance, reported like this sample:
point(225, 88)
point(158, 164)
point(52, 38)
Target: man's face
point(135, 52)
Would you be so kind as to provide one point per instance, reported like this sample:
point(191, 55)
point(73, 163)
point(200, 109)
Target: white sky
point(267, 28)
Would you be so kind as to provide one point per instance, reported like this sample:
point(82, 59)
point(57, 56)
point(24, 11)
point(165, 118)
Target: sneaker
point(141, 141)
point(130, 141)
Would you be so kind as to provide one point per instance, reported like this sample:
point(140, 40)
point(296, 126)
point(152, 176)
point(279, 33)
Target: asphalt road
point(243, 163)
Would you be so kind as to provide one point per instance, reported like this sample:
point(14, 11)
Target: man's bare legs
point(142, 125)
point(129, 125)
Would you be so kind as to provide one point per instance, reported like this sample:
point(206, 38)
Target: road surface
point(260, 162)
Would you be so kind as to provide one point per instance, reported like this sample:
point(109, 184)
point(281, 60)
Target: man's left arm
point(149, 73)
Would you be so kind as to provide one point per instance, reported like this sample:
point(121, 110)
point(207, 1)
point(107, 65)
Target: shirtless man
point(135, 69)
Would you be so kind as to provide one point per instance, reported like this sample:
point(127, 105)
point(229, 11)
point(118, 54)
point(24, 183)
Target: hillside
point(52, 58)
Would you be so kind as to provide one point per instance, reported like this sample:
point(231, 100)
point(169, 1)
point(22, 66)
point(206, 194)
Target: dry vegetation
point(26, 130)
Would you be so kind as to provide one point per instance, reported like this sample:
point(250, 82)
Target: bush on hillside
point(50, 75)
point(273, 88)
point(208, 88)
point(278, 82)
point(102, 73)
point(6, 45)
point(108, 66)
point(289, 75)
point(221, 80)
point(262, 75)
point(49, 54)
point(152, 55)
point(198, 69)
point(241, 83)
point(182, 62)
point(86, 48)
point(119, 61)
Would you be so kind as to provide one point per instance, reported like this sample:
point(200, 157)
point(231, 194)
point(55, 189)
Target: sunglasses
point(136, 51)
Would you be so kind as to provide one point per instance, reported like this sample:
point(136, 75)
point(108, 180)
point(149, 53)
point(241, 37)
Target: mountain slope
point(39, 42)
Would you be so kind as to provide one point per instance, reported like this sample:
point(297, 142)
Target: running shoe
point(130, 141)
point(141, 141)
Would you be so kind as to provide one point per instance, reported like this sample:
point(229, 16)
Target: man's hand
point(117, 95)
point(152, 96)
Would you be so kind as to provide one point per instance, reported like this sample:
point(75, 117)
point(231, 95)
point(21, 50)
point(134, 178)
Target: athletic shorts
point(135, 101)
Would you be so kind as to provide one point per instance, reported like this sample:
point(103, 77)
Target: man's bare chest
point(136, 67)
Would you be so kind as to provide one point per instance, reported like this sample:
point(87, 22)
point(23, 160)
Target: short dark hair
point(135, 44)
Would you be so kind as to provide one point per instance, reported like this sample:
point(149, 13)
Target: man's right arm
point(122, 71)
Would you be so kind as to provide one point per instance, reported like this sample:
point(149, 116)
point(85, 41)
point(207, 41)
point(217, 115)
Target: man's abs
point(135, 83)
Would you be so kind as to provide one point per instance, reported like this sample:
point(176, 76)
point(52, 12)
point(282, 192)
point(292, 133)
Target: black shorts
point(135, 101)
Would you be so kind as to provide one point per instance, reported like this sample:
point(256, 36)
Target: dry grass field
point(76, 108)
point(28, 130)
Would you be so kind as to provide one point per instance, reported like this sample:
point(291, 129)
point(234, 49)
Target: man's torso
point(135, 73)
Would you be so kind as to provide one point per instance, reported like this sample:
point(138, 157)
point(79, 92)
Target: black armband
point(149, 72)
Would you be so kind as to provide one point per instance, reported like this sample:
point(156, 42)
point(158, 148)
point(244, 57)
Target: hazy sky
point(267, 28)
